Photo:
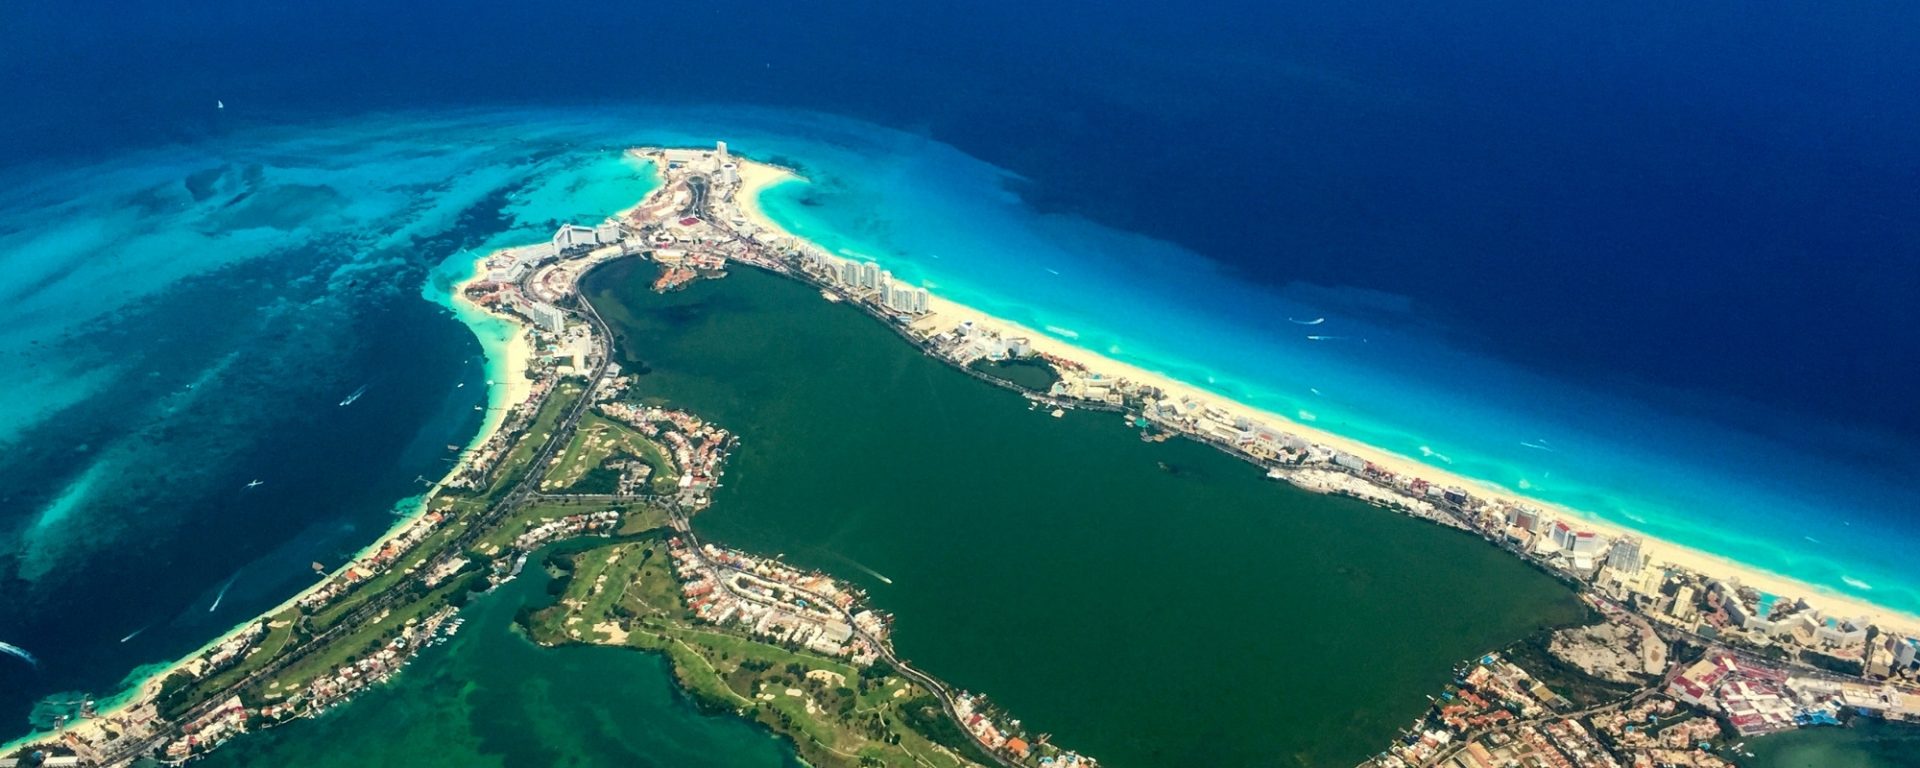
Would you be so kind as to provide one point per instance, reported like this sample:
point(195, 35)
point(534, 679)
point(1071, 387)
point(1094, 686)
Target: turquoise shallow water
point(1825, 507)
point(222, 296)
point(187, 321)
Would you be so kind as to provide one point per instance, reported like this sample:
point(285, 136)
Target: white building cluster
point(1791, 621)
point(602, 522)
point(1581, 549)
point(708, 161)
point(865, 279)
point(968, 343)
point(571, 238)
point(511, 264)
point(774, 601)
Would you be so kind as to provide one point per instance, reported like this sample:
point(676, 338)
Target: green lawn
point(599, 439)
point(637, 518)
point(850, 720)
point(279, 630)
point(642, 518)
point(514, 466)
point(357, 643)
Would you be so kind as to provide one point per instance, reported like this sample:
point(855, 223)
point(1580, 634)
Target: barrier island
point(1150, 639)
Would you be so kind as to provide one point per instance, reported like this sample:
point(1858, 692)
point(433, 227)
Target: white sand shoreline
point(508, 361)
point(756, 178)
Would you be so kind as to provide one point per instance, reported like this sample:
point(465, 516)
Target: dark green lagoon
point(491, 698)
point(1149, 604)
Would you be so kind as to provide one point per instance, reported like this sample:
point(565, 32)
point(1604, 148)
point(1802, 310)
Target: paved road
point(522, 492)
point(1630, 699)
point(697, 185)
point(932, 684)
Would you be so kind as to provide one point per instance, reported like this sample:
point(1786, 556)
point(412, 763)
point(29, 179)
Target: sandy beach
point(506, 365)
point(508, 384)
point(756, 178)
point(509, 349)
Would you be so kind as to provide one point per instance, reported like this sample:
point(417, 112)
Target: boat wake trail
point(862, 566)
point(1538, 445)
point(355, 396)
point(1315, 321)
point(223, 593)
point(19, 653)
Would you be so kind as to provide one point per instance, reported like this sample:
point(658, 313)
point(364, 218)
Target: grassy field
point(625, 594)
point(357, 643)
point(280, 628)
point(598, 440)
point(515, 465)
point(638, 517)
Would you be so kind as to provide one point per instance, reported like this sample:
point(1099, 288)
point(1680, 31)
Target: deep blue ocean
point(1679, 246)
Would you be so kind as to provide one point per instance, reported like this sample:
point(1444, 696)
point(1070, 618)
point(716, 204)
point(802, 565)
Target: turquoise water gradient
point(1822, 507)
point(1385, 377)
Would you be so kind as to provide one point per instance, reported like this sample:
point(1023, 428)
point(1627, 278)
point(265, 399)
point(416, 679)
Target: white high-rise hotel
point(868, 276)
